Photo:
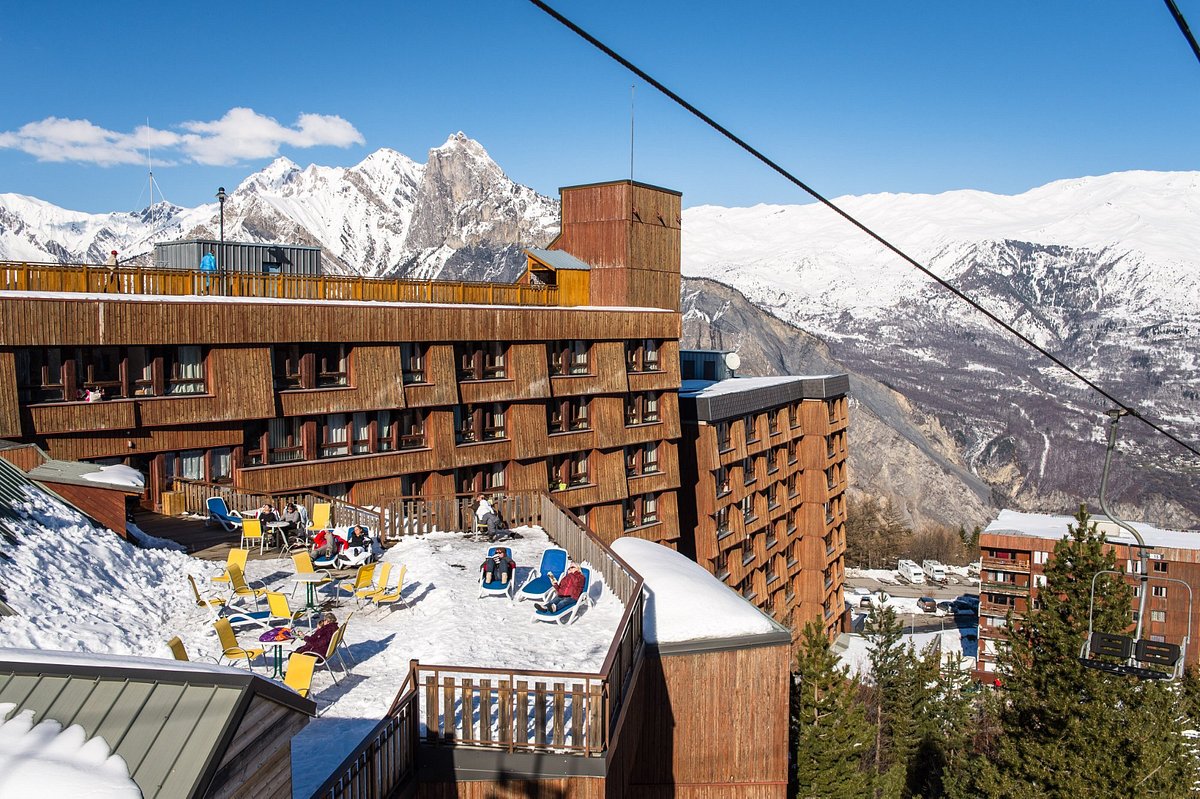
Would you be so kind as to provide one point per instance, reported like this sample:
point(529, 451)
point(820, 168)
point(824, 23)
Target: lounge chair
point(567, 612)
point(237, 556)
point(378, 584)
point(220, 513)
point(252, 533)
point(304, 565)
point(299, 672)
point(334, 649)
point(231, 650)
point(209, 602)
point(239, 586)
point(180, 653)
point(391, 596)
point(322, 512)
point(538, 587)
point(497, 587)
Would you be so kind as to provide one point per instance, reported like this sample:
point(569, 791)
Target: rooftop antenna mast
point(632, 87)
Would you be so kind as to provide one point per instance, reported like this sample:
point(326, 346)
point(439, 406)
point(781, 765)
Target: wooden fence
point(19, 276)
point(384, 765)
point(196, 495)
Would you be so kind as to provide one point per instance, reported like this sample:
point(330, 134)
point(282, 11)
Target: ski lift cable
point(721, 129)
point(1183, 26)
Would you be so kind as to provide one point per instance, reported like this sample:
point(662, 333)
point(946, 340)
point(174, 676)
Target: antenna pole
point(632, 87)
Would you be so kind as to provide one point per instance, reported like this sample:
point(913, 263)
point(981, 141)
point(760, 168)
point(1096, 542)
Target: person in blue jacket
point(208, 265)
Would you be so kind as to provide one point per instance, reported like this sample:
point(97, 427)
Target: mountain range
point(954, 417)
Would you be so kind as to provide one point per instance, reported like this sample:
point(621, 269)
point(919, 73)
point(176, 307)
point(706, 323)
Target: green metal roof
point(170, 721)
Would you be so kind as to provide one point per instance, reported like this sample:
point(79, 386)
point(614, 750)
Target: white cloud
point(240, 135)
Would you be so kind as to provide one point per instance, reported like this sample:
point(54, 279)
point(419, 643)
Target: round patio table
point(271, 639)
point(311, 581)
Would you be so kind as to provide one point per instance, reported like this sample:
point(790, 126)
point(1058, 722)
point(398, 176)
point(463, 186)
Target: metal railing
point(21, 276)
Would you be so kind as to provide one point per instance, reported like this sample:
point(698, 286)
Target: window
point(640, 511)
point(641, 459)
point(1158, 615)
point(480, 479)
point(748, 475)
point(481, 360)
point(750, 427)
point(772, 495)
point(477, 423)
point(1159, 591)
point(773, 423)
point(410, 429)
point(361, 433)
point(188, 465)
point(69, 374)
point(334, 436)
point(220, 464)
point(568, 357)
point(641, 408)
point(568, 415)
point(212, 466)
point(721, 478)
point(310, 366)
point(792, 451)
point(1160, 566)
point(747, 506)
point(568, 471)
point(793, 484)
point(641, 355)
point(794, 415)
point(412, 363)
point(724, 441)
point(722, 520)
point(773, 459)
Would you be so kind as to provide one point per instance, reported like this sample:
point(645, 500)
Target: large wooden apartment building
point(371, 390)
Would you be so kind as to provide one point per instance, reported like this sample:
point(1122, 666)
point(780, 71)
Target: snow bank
point(147, 541)
point(46, 760)
point(118, 475)
point(683, 601)
point(80, 588)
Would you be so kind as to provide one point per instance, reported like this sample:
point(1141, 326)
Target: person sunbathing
point(498, 568)
point(566, 590)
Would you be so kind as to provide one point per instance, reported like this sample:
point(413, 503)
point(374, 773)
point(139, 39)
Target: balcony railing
point(1003, 588)
point(84, 278)
point(997, 609)
point(1005, 565)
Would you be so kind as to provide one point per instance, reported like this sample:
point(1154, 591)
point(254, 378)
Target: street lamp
point(221, 195)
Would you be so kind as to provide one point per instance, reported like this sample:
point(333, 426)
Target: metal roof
point(232, 243)
point(709, 401)
point(72, 472)
point(557, 259)
point(170, 721)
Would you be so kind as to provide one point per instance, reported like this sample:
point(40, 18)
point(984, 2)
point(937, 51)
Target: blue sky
point(853, 97)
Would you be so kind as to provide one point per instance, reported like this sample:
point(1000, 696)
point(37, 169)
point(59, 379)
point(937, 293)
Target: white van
point(934, 571)
point(910, 572)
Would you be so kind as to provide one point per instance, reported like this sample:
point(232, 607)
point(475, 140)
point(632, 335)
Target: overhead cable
point(719, 128)
point(1183, 26)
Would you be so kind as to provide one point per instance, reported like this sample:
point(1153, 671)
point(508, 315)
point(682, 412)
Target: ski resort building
point(765, 460)
point(1015, 548)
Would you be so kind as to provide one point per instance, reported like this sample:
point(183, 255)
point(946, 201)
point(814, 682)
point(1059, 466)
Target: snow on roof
point(733, 385)
point(47, 760)
point(686, 603)
point(1041, 525)
point(119, 476)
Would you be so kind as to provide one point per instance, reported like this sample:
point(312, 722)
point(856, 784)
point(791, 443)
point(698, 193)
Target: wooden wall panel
point(103, 504)
point(239, 385)
point(79, 417)
point(377, 385)
point(328, 471)
point(528, 476)
point(375, 492)
point(601, 202)
point(35, 321)
point(555, 788)
point(659, 208)
point(605, 521)
point(560, 443)
point(608, 469)
point(608, 420)
point(10, 414)
point(527, 378)
point(145, 440)
point(24, 457)
point(752, 736)
point(606, 362)
point(442, 388)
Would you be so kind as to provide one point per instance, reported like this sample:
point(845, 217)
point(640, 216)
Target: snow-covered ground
point(77, 588)
point(857, 655)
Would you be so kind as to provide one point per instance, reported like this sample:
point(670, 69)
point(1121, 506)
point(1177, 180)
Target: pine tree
point(832, 733)
point(900, 693)
point(1071, 732)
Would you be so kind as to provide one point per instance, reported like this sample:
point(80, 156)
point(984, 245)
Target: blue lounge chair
point(219, 512)
point(497, 587)
point(568, 611)
point(538, 587)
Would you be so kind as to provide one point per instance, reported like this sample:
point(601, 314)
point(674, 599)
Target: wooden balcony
point(1010, 589)
point(1005, 565)
point(996, 609)
point(84, 278)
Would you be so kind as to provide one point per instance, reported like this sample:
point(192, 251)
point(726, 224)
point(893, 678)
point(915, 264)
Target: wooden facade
point(105, 504)
point(770, 510)
point(1012, 567)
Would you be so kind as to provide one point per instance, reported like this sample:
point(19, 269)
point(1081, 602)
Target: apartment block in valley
point(1014, 551)
point(765, 458)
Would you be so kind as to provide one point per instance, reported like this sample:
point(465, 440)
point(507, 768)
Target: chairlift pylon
point(1131, 655)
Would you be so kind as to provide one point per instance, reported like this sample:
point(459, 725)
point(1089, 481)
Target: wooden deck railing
point(21, 276)
point(384, 765)
point(420, 515)
point(196, 494)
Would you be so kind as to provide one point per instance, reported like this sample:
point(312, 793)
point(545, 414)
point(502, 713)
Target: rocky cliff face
point(895, 451)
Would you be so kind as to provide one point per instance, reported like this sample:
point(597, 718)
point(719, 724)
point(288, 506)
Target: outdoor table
point(277, 529)
point(277, 646)
point(311, 581)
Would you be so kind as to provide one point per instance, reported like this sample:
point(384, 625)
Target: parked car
point(947, 608)
point(927, 604)
point(878, 598)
